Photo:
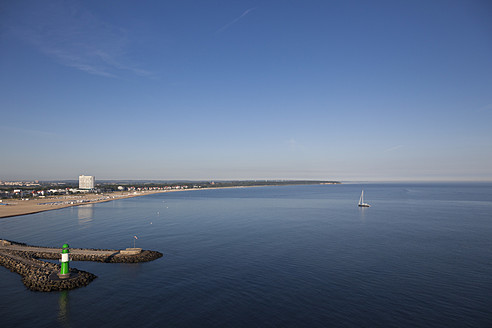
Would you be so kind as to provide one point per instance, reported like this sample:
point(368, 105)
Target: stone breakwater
point(114, 257)
point(42, 276)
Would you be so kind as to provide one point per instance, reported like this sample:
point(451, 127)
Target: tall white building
point(86, 182)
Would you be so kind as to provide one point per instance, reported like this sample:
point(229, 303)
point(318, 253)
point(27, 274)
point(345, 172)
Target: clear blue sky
point(345, 90)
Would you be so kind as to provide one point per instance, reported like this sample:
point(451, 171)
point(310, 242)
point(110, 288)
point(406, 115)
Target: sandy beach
point(15, 207)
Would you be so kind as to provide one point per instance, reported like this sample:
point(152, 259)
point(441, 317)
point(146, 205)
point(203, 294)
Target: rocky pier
point(43, 276)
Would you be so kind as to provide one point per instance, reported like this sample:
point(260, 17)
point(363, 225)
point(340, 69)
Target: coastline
point(18, 207)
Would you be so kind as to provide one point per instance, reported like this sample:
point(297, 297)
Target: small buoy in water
point(150, 222)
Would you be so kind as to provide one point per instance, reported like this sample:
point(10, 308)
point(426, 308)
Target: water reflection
point(85, 214)
point(64, 309)
point(132, 270)
point(362, 213)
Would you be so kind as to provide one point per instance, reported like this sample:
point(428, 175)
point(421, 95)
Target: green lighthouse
point(64, 271)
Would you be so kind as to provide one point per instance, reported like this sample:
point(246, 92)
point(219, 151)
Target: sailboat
point(361, 200)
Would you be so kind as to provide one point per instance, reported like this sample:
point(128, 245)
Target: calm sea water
point(290, 256)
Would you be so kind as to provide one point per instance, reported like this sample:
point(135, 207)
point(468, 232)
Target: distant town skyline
point(193, 90)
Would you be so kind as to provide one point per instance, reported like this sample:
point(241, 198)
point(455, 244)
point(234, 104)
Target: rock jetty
point(42, 276)
point(39, 275)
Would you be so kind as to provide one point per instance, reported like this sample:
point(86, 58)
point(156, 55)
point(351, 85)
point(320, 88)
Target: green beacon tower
point(65, 270)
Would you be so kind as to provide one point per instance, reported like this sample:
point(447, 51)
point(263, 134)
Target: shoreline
point(18, 207)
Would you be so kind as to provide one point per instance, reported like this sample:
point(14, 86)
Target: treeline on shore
point(208, 184)
point(70, 187)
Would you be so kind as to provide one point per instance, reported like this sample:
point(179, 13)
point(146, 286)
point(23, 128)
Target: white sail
point(361, 200)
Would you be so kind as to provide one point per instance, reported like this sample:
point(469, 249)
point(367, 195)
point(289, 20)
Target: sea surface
point(280, 256)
